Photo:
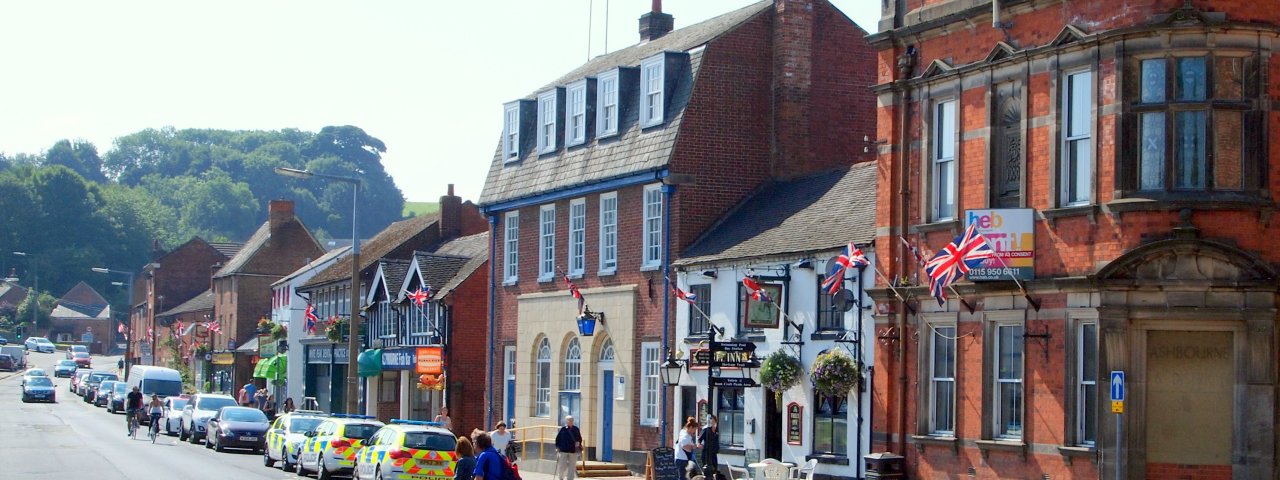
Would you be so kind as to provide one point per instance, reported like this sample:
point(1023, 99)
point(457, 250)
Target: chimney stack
point(279, 212)
point(450, 215)
point(793, 32)
point(655, 24)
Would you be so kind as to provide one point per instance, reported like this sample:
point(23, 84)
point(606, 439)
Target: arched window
point(542, 408)
point(573, 366)
point(606, 352)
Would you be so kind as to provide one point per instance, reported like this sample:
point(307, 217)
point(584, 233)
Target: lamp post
point(353, 341)
point(35, 285)
point(128, 312)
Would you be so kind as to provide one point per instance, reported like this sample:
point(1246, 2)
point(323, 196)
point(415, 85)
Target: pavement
point(73, 439)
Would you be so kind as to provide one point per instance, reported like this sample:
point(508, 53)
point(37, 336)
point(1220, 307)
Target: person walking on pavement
point(710, 441)
point(444, 420)
point(245, 398)
point(489, 465)
point(568, 443)
point(466, 466)
point(501, 439)
point(686, 443)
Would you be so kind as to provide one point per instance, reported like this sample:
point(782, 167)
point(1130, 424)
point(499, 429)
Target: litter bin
point(884, 465)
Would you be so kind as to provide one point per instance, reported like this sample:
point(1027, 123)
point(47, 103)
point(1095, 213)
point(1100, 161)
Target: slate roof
point(376, 248)
point(475, 247)
point(632, 150)
point(201, 302)
point(226, 249)
point(394, 272)
point(80, 312)
point(819, 212)
point(331, 254)
point(250, 248)
point(83, 299)
point(438, 270)
point(12, 293)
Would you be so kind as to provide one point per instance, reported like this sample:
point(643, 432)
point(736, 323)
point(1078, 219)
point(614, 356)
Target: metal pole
point(128, 314)
point(1119, 425)
point(35, 290)
point(353, 341)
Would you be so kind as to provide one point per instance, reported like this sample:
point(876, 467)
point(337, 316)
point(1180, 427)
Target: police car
point(286, 434)
point(331, 447)
point(408, 450)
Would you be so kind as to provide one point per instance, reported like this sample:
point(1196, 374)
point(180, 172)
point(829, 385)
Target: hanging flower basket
point(202, 349)
point(264, 325)
point(334, 330)
point(834, 373)
point(780, 371)
point(279, 331)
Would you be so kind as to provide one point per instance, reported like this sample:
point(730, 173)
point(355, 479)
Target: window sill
point(829, 459)
point(827, 335)
point(695, 339)
point(607, 273)
point(936, 226)
point(1015, 446)
point(575, 275)
point(546, 279)
point(1178, 201)
point(1070, 453)
point(1053, 214)
point(936, 440)
point(732, 451)
point(650, 268)
point(511, 282)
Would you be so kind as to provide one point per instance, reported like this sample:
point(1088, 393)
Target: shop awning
point(370, 362)
point(259, 370)
point(277, 368)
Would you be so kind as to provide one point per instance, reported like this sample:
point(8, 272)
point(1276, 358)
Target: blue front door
point(511, 401)
point(606, 418)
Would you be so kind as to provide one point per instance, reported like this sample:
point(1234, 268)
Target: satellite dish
point(844, 300)
point(832, 266)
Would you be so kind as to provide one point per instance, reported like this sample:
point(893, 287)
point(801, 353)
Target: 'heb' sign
point(1011, 233)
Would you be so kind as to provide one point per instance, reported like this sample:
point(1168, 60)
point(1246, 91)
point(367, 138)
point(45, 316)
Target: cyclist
point(155, 408)
point(132, 405)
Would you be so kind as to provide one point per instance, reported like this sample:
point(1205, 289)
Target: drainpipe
point(493, 245)
point(905, 64)
point(667, 190)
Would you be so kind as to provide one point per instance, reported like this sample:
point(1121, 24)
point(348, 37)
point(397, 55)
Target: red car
point(82, 359)
point(6, 363)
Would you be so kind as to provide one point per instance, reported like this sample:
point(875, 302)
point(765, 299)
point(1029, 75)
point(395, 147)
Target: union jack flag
point(120, 328)
point(966, 252)
point(310, 316)
point(851, 257)
point(834, 280)
point(683, 295)
point(420, 296)
point(757, 292)
point(573, 290)
point(151, 333)
point(177, 329)
point(914, 252)
point(214, 327)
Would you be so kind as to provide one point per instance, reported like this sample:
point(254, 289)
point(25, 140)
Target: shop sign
point(1011, 233)
point(763, 314)
point(795, 424)
point(733, 382)
point(399, 359)
point(324, 354)
point(430, 360)
point(224, 358)
point(266, 346)
point(729, 360)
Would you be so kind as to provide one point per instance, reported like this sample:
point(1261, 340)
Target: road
point(73, 439)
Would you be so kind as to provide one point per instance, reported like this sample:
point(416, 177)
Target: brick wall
point(469, 351)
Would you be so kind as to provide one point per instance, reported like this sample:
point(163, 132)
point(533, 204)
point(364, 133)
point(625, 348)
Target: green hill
point(419, 208)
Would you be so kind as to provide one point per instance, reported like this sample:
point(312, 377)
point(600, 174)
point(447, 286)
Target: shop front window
point(731, 414)
point(831, 426)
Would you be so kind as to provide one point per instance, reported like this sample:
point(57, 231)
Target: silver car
point(196, 415)
point(173, 407)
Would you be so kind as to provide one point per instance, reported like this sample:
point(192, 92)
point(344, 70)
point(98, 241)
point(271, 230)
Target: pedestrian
point(443, 419)
point(120, 364)
point(269, 408)
point(710, 441)
point(466, 466)
point(245, 398)
point(568, 444)
point(501, 439)
point(686, 443)
point(489, 465)
point(288, 405)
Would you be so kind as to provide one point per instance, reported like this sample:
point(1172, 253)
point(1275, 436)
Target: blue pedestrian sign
point(1117, 385)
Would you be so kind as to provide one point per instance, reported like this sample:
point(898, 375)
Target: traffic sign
point(733, 382)
point(1117, 406)
point(1117, 385)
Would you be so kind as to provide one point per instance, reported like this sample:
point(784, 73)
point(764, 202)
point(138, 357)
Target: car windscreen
point(178, 403)
point(80, 355)
point(215, 403)
point(99, 377)
point(40, 382)
point(430, 441)
point(166, 388)
point(121, 388)
point(244, 415)
point(66, 363)
point(304, 424)
point(360, 431)
point(79, 348)
point(36, 372)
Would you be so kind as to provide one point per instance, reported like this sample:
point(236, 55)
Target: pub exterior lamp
point(671, 371)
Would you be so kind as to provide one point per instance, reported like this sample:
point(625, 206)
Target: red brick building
point(81, 314)
point(1116, 155)
point(169, 280)
point(609, 171)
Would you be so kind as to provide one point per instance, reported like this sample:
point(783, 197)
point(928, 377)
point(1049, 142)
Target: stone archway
point(1180, 308)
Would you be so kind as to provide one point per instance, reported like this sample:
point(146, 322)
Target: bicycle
point(133, 426)
point(155, 427)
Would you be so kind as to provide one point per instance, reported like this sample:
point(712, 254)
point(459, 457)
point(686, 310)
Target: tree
point(44, 301)
point(80, 156)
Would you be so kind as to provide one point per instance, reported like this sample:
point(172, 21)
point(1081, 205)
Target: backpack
point(509, 471)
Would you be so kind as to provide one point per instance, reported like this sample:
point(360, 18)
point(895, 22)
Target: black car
point(238, 427)
point(38, 389)
point(6, 363)
point(64, 368)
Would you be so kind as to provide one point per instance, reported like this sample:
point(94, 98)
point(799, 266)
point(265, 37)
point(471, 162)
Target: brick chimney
point(655, 24)
point(793, 30)
point(279, 212)
point(450, 215)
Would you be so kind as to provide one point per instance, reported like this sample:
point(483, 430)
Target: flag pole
point(1021, 288)
point(919, 264)
point(894, 290)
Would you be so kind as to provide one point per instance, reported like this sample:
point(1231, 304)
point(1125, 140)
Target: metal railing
point(522, 436)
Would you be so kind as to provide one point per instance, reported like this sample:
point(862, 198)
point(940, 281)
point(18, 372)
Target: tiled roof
point(251, 247)
point(72, 311)
point(376, 248)
point(331, 254)
point(203, 301)
point(12, 293)
point(475, 247)
point(632, 150)
point(810, 214)
point(83, 297)
point(227, 249)
point(393, 272)
point(438, 270)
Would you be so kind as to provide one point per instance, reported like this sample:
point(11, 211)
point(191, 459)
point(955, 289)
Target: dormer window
point(607, 103)
point(576, 114)
point(652, 80)
point(547, 121)
point(511, 131)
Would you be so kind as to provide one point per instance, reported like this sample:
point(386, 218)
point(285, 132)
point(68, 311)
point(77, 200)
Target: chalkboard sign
point(662, 465)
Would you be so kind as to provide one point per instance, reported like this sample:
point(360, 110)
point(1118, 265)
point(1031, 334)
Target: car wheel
point(284, 461)
point(298, 469)
point(323, 472)
point(267, 461)
point(182, 432)
point(209, 439)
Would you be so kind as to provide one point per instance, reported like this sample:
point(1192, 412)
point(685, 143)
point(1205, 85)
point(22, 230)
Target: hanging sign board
point(795, 424)
point(223, 359)
point(733, 382)
point(430, 360)
point(1011, 233)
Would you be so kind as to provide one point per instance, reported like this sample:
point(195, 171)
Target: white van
point(161, 381)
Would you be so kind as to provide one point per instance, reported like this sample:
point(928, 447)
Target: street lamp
point(353, 341)
point(128, 313)
point(587, 322)
point(671, 370)
point(35, 285)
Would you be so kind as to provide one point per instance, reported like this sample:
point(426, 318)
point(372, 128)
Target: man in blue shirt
point(489, 465)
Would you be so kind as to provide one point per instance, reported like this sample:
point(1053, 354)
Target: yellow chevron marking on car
point(429, 462)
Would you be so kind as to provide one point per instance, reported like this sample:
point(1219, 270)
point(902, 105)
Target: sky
point(428, 78)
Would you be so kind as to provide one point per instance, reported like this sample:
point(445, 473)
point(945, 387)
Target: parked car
point(6, 363)
point(71, 350)
point(4, 341)
point(18, 353)
point(173, 414)
point(39, 389)
point(64, 368)
point(82, 359)
point(238, 427)
point(76, 378)
point(407, 448)
point(94, 379)
point(33, 372)
point(287, 432)
point(332, 446)
point(196, 415)
point(40, 344)
point(116, 396)
point(102, 394)
point(165, 382)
